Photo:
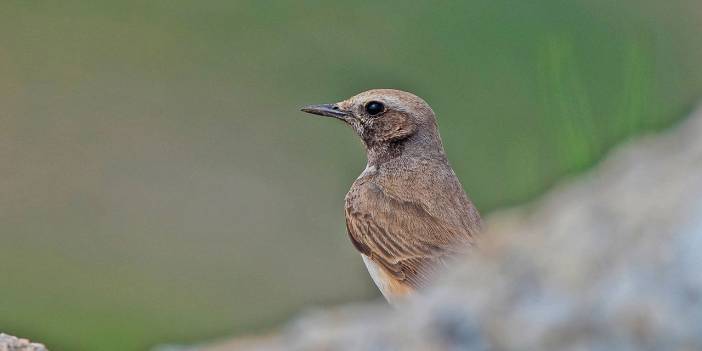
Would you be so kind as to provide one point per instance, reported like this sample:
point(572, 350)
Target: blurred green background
point(158, 183)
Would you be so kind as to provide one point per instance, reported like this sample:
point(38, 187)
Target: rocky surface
point(610, 261)
point(12, 343)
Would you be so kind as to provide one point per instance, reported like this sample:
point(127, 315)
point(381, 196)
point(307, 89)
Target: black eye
point(374, 107)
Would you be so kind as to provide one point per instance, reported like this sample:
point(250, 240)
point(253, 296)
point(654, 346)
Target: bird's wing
point(401, 236)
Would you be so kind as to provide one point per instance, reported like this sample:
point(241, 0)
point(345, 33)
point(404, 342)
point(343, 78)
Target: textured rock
point(610, 261)
point(11, 343)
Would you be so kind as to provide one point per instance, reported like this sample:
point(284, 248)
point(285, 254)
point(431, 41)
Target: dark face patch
point(391, 127)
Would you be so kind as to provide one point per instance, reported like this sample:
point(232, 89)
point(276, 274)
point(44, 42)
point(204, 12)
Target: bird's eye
point(374, 107)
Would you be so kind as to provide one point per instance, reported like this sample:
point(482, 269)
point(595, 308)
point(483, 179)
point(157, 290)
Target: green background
point(158, 184)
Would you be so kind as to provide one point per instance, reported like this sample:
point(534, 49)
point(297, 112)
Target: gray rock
point(12, 343)
point(610, 261)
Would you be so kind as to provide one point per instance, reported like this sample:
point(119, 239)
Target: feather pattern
point(404, 224)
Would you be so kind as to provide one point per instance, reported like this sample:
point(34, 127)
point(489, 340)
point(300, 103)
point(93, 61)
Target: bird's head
point(390, 122)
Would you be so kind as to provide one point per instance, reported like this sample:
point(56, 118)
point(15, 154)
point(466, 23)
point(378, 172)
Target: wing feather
point(405, 239)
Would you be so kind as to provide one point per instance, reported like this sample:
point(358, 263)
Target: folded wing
point(402, 236)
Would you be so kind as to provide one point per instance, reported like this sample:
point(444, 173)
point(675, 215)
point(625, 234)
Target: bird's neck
point(414, 146)
point(379, 154)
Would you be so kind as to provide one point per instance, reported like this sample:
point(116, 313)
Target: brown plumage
point(407, 212)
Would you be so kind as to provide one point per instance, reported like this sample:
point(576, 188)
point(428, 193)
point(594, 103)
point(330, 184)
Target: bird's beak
point(328, 110)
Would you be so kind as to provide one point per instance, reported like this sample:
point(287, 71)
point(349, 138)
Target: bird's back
point(409, 217)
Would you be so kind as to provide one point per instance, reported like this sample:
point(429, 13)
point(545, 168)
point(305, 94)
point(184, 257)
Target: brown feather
point(405, 225)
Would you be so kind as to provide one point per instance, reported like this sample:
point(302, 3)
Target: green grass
point(160, 186)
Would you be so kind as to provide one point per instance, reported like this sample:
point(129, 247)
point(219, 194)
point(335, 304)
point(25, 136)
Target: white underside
point(377, 275)
point(368, 171)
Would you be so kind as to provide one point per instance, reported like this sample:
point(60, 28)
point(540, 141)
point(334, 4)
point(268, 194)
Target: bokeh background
point(158, 184)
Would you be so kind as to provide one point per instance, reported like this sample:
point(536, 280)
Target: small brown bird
point(406, 213)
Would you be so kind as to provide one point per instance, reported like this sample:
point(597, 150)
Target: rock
point(12, 343)
point(609, 261)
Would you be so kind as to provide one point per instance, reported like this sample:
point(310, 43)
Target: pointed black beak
point(328, 110)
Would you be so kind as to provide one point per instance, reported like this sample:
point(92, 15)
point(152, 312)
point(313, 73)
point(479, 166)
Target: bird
point(406, 213)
